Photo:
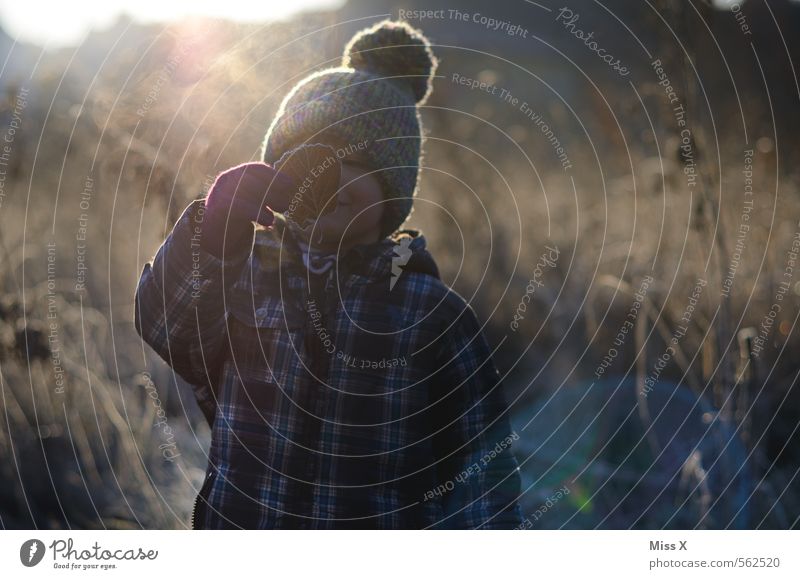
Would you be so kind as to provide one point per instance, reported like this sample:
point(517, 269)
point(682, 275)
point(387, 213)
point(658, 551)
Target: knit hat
point(369, 102)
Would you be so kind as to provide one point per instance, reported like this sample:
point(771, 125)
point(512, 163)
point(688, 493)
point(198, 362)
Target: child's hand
point(243, 194)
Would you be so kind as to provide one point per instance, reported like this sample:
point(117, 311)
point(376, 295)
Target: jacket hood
point(404, 252)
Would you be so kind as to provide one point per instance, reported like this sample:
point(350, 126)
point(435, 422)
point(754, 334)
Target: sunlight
point(58, 24)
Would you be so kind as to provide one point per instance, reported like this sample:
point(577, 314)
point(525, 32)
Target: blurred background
point(650, 361)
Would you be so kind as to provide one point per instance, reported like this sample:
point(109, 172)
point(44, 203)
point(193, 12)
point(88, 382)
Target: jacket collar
point(405, 250)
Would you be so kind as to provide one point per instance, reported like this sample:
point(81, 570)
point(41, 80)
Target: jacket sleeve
point(479, 481)
point(179, 305)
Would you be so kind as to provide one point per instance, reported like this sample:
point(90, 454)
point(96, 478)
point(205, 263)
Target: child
point(346, 385)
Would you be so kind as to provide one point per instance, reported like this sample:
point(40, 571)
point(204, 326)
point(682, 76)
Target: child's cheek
point(349, 176)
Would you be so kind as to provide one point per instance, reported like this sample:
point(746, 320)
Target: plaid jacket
point(335, 401)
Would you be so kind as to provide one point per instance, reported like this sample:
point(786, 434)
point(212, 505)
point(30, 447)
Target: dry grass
point(90, 457)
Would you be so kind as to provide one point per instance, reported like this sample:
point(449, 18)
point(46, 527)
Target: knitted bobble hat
point(370, 103)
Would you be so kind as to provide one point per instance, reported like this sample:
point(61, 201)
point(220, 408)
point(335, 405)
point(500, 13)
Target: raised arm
point(180, 305)
point(180, 309)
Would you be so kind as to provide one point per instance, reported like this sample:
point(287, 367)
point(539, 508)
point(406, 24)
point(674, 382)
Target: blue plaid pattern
point(334, 402)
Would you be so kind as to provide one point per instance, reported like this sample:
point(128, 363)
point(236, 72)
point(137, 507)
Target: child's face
point(357, 216)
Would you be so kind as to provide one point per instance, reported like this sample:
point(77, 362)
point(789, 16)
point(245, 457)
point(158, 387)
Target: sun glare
point(56, 24)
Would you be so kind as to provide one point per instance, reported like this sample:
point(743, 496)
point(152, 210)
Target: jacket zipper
point(194, 512)
point(201, 496)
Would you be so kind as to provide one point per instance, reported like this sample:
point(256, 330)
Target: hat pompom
point(394, 49)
